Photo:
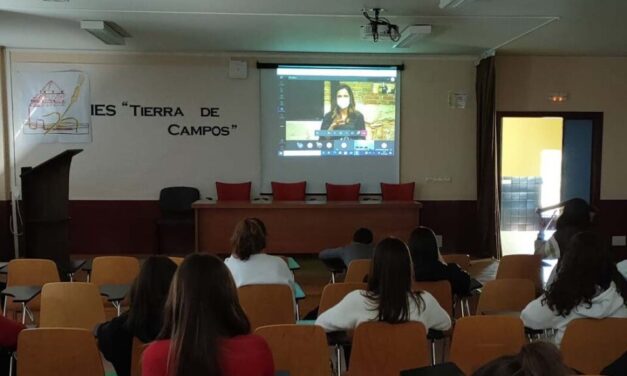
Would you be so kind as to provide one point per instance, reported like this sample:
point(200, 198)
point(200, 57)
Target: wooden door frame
point(597, 141)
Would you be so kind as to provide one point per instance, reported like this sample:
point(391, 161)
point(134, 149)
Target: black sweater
point(437, 271)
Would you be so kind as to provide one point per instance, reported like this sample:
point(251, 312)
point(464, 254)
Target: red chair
point(398, 192)
point(289, 191)
point(343, 192)
point(233, 191)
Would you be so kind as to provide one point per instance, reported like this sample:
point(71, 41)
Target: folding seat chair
point(58, 352)
point(522, 266)
point(358, 271)
point(589, 345)
point(28, 272)
point(114, 270)
point(387, 349)
point(71, 305)
point(442, 292)
point(505, 296)
point(267, 304)
point(301, 350)
point(480, 339)
point(398, 192)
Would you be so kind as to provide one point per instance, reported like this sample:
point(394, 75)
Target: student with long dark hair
point(428, 263)
point(576, 217)
point(144, 317)
point(389, 296)
point(205, 330)
point(587, 285)
point(248, 264)
point(534, 359)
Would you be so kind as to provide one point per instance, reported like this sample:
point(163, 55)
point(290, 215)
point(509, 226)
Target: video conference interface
point(337, 111)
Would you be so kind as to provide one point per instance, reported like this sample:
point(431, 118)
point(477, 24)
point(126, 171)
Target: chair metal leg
point(297, 312)
point(71, 275)
point(23, 313)
point(11, 359)
point(468, 307)
point(4, 307)
point(433, 353)
point(461, 307)
point(30, 315)
point(332, 277)
point(338, 351)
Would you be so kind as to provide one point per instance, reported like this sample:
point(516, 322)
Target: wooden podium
point(302, 227)
point(44, 208)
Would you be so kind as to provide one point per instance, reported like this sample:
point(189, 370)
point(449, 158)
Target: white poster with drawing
point(52, 107)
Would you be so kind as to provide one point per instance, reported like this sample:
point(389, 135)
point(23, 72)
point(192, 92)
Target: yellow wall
point(524, 139)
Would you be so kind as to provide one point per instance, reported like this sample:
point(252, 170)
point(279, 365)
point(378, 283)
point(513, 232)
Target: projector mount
point(388, 29)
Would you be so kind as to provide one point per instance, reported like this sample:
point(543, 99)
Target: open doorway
point(546, 158)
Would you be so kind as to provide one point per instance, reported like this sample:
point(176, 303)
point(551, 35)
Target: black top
point(115, 341)
point(459, 279)
point(355, 122)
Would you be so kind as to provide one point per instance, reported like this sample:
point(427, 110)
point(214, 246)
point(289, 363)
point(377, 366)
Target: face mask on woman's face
point(343, 99)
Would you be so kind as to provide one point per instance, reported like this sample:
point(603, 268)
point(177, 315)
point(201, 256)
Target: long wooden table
point(302, 227)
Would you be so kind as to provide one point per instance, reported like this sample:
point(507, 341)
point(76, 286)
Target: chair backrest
point(505, 295)
point(267, 304)
point(398, 192)
point(178, 200)
point(302, 350)
point(589, 345)
point(343, 192)
point(441, 291)
point(380, 348)
point(480, 339)
point(58, 352)
point(461, 259)
point(358, 271)
point(71, 305)
point(177, 260)
point(114, 270)
point(522, 266)
point(233, 191)
point(136, 356)
point(31, 272)
point(334, 293)
point(289, 191)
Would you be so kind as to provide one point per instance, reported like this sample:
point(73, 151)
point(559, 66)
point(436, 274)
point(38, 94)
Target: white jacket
point(260, 269)
point(608, 303)
point(356, 308)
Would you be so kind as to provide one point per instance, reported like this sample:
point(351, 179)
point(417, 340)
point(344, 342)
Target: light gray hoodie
point(608, 303)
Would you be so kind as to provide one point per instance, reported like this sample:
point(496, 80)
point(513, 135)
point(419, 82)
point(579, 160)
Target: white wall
point(134, 157)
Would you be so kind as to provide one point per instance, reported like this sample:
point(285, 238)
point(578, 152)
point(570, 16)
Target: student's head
point(261, 225)
point(362, 236)
point(148, 294)
point(344, 98)
point(249, 238)
point(423, 246)
point(586, 266)
point(390, 280)
point(534, 359)
point(202, 307)
point(576, 214)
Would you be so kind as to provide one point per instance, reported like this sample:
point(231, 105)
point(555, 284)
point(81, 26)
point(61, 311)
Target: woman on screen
point(343, 117)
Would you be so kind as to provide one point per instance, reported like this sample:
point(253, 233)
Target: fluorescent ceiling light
point(411, 34)
point(106, 31)
point(450, 3)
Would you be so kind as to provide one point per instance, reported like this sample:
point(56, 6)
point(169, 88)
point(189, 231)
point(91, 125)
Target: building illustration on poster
point(57, 107)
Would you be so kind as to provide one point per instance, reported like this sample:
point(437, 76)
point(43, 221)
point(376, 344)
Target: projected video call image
point(337, 112)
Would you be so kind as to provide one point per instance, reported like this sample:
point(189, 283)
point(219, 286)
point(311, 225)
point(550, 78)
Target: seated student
point(534, 359)
point(9, 331)
point(389, 296)
point(428, 263)
point(248, 265)
point(205, 330)
point(576, 217)
point(360, 248)
point(587, 285)
point(144, 317)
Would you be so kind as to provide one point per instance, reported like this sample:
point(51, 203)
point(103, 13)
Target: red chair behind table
point(289, 191)
point(398, 192)
point(233, 191)
point(343, 192)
